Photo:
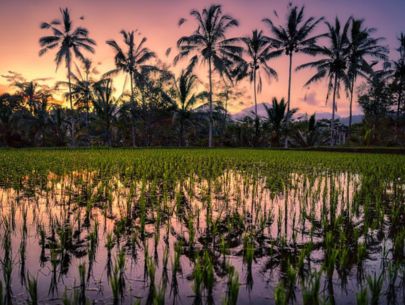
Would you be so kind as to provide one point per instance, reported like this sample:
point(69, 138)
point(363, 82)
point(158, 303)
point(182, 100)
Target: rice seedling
point(195, 218)
point(310, 291)
point(233, 288)
point(361, 297)
point(280, 295)
point(80, 295)
point(114, 282)
point(151, 270)
point(159, 296)
point(32, 288)
point(198, 279)
point(7, 263)
point(208, 272)
point(117, 278)
point(375, 284)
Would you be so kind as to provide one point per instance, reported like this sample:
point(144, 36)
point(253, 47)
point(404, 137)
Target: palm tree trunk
point(399, 102)
point(351, 106)
point(289, 84)
point(254, 92)
point(87, 113)
point(332, 123)
point(132, 112)
point(72, 121)
point(181, 133)
point(398, 112)
point(87, 124)
point(255, 98)
point(289, 96)
point(133, 134)
point(108, 133)
point(210, 104)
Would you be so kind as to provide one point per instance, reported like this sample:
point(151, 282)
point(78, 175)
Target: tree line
point(164, 109)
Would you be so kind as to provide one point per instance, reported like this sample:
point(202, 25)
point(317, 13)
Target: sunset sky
point(157, 20)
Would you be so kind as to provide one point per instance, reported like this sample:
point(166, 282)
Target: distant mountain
point(318, 115)
point(261, 111)
point(358, 118)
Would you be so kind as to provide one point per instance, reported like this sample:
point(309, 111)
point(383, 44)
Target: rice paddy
point(222, 226)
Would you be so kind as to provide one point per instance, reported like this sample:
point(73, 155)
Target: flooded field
point(201, 227)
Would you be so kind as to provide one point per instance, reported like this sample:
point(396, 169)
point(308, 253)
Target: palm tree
point(362, 45)
point(376, 98)
point(278, 117)
point(294, 37)
point(396, 72)
point(33, 119)
point(82, 87)
point(308, 132)
point(58, 122)
point(105, 106)
point(29, 91)
point(70, 42)
point(333, 66)
point(258, 51)
point(131, 61)
point(208, 43)
point(9, 105)
point(185, 98)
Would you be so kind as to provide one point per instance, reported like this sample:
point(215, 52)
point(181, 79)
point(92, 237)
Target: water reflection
point(234, 239)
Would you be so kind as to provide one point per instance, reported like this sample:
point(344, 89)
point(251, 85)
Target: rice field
point(195, 226)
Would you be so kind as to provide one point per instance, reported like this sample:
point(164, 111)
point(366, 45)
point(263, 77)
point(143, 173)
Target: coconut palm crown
point(208, 44)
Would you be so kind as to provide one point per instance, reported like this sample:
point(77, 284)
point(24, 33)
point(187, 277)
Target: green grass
point(151, 163)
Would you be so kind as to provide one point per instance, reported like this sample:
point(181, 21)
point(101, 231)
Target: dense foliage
point(163, 109)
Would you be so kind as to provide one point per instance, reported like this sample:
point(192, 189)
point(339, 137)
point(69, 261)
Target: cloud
point(310, 99)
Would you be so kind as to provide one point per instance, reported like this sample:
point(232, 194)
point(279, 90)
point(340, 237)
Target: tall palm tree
point(185, 98)
point(294, 37)
point(131, 61)
point(333, 64)
point(362, 47)
point(208, 43)
point(258, 51)
point(69, 42)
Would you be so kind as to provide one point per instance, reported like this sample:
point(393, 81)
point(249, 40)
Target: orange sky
point(157, 20)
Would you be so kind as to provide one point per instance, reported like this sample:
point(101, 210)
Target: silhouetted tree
point(332, 65)
point(131, 61)
point(258, 51)
point(361, 47)
point(294, 37)
point(70, 43)
point(208, 43)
